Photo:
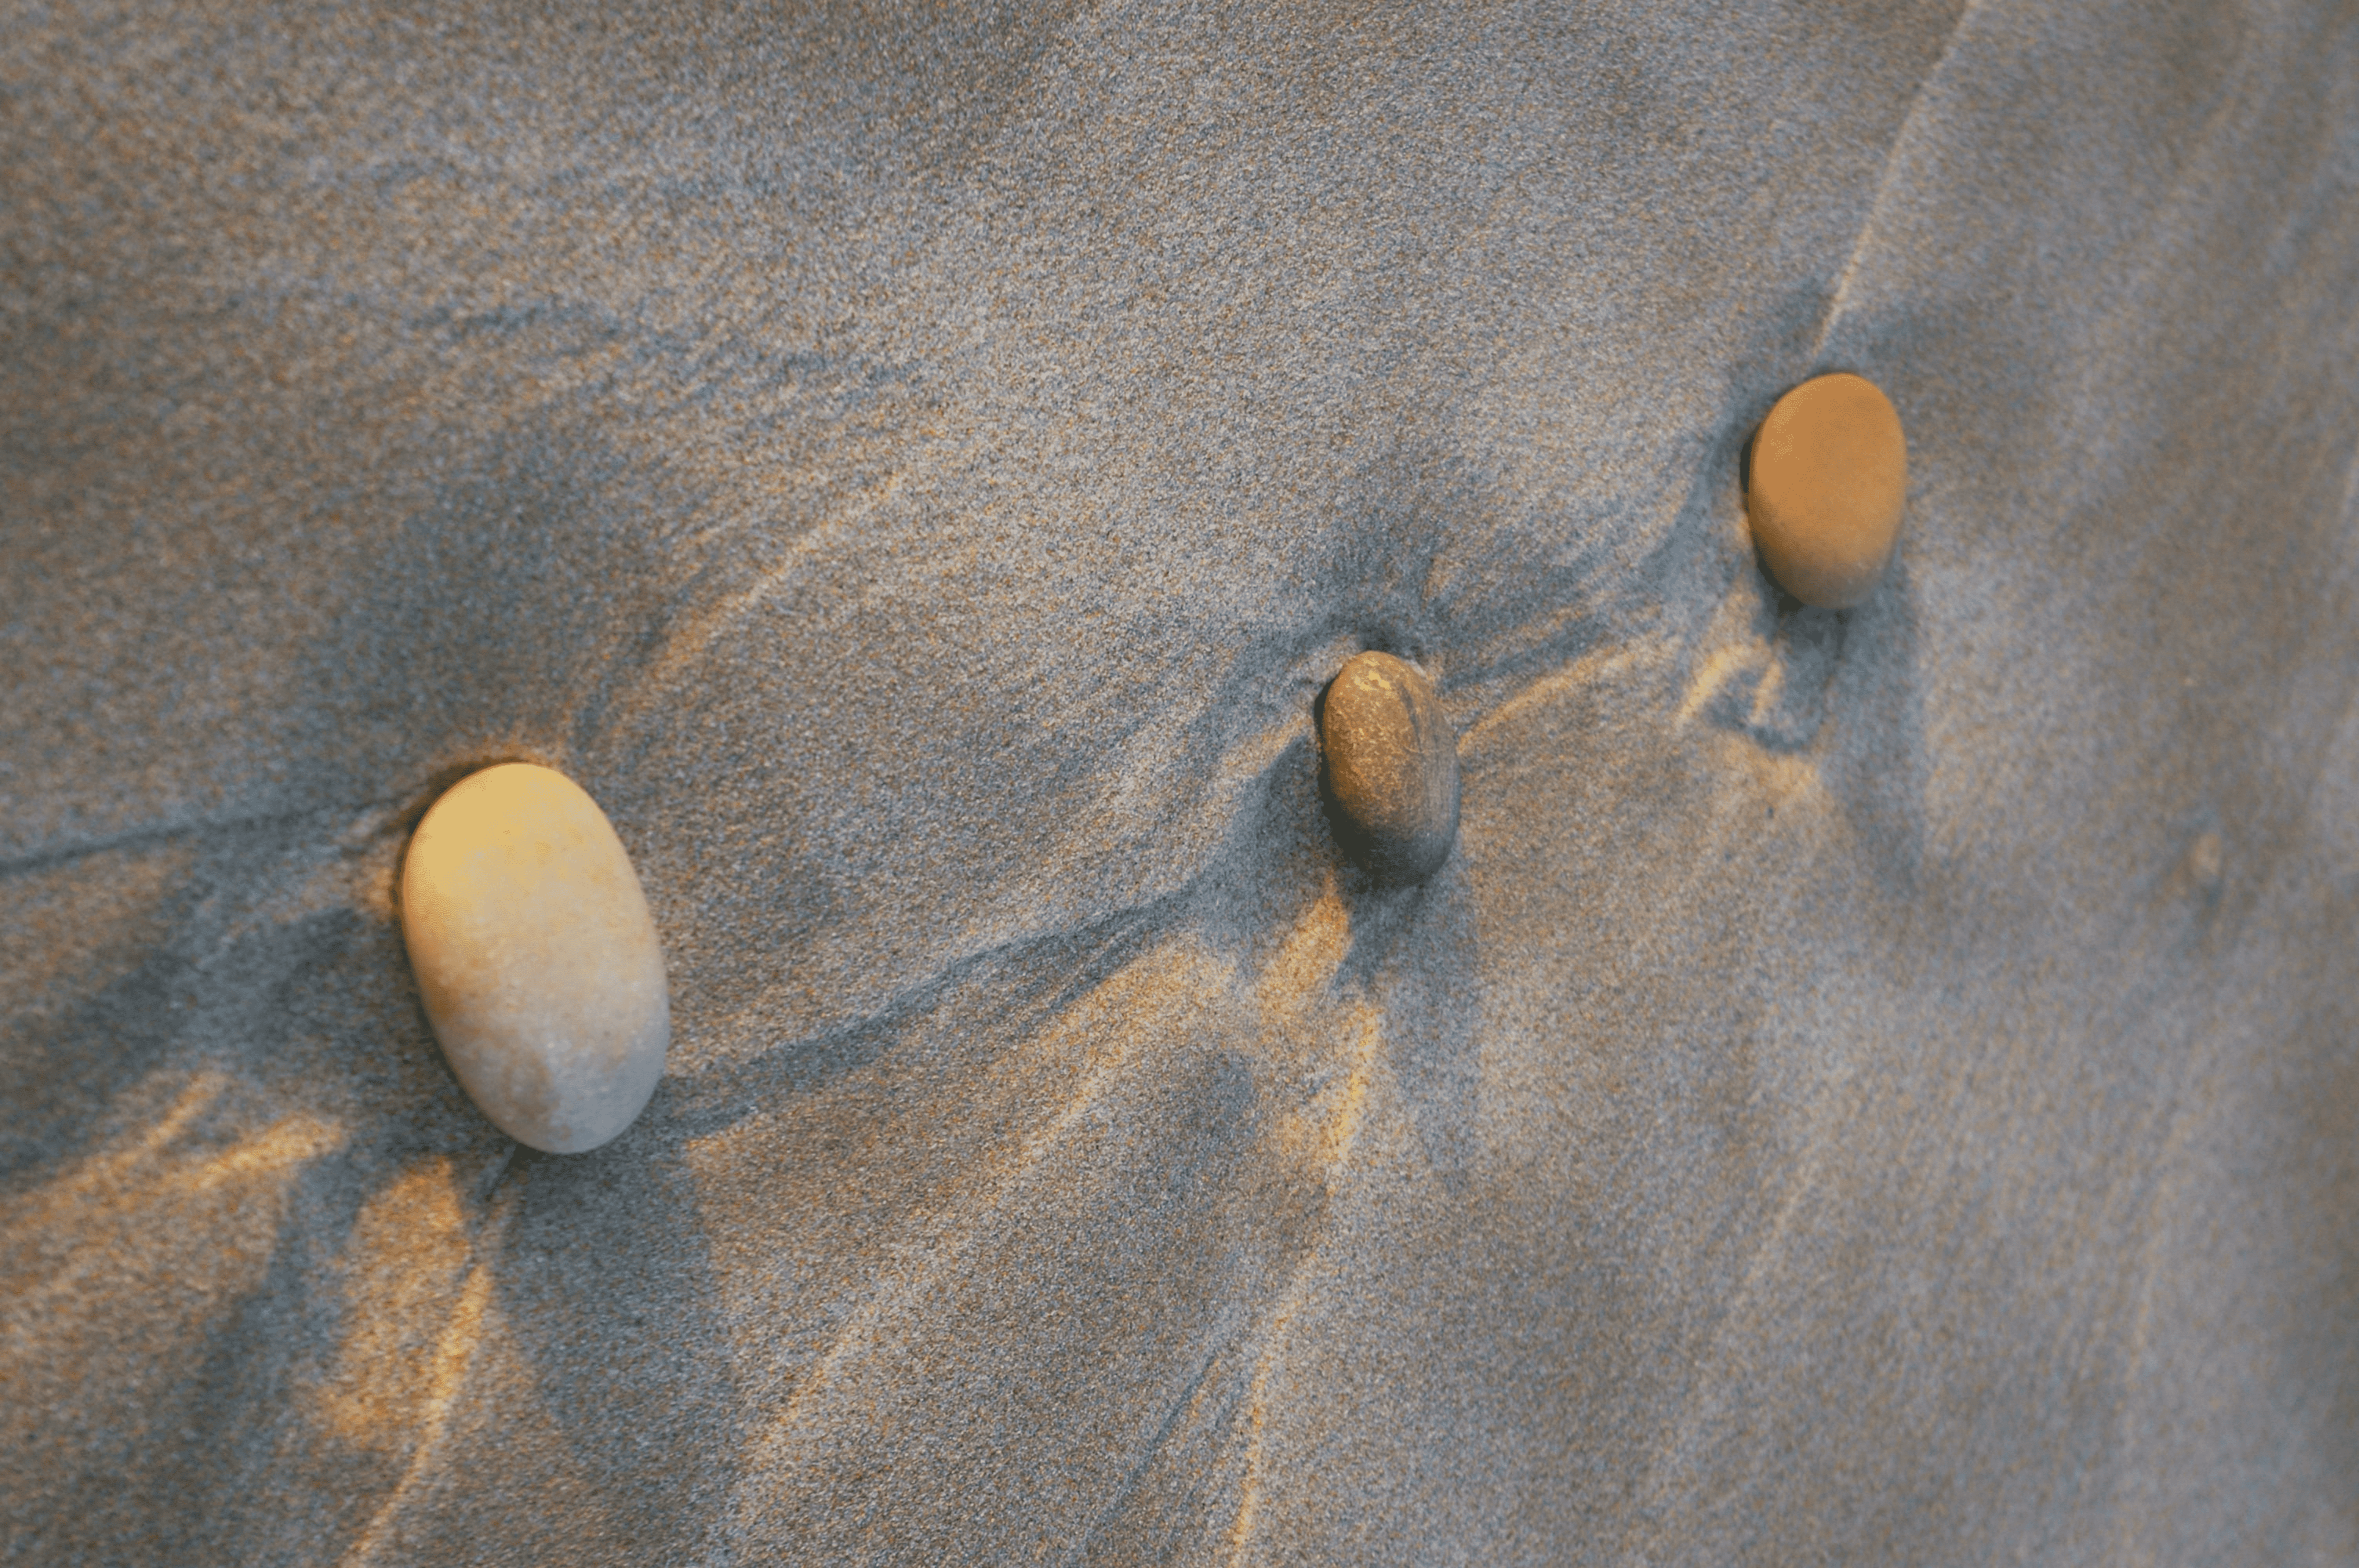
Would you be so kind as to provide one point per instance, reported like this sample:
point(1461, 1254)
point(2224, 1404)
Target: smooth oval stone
point(1391, 767)
point(537, 958)
point(1830, 475)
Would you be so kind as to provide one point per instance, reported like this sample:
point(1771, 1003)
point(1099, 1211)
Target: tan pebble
point(1829, 474)
point(1391, 767)
point(537, 957)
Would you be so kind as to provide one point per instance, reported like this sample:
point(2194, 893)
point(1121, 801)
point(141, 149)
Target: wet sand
point(1871, 1086)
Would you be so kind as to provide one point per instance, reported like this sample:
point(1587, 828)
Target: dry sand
point(1871, 1087)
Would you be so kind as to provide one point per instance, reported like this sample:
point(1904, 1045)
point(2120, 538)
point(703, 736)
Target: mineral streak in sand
point(538, 959)
point(1830, 475)
point(1391, 767)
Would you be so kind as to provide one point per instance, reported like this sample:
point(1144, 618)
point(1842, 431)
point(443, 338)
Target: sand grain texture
point(1869, 1087)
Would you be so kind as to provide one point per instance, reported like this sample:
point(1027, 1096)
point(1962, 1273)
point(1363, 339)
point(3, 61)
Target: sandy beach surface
point(1871, 1087)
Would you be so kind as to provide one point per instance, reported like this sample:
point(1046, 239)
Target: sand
point(1870, 1086)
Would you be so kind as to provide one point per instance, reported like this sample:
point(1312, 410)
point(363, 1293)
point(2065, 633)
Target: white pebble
point(537, 957)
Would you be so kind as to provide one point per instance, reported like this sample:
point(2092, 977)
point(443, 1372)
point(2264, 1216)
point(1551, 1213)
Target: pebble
point(1830, 473)
point(536, 957)
point(1390, 767)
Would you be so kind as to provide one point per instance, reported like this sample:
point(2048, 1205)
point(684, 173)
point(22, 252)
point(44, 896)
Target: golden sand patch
point(403, 1274)
point(404, 1356)
point(168, 1234)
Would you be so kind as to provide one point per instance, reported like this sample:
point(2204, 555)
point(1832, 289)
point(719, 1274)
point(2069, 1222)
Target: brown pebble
point(1829, 476)
point(1390, 767)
